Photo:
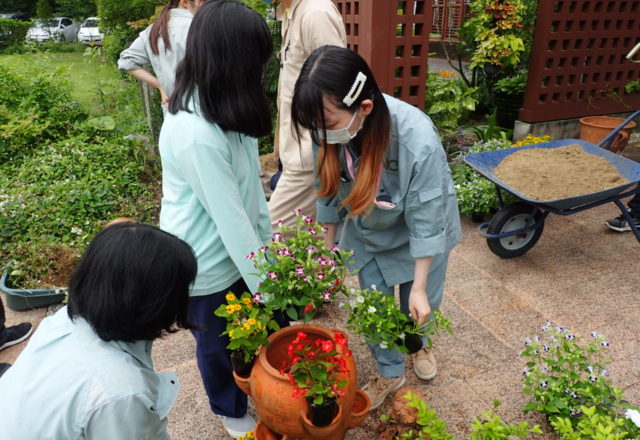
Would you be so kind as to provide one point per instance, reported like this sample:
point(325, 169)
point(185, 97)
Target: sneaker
point(15, 335)
point(380, 387)
point(620, 223)
point(4, 368)
point(424, 364)
point(238, 426)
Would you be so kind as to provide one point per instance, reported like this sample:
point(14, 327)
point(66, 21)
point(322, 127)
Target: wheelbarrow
point(516, 227)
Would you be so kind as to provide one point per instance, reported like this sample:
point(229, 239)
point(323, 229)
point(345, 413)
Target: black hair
point(331, 71)
point(227, 50)
point(132, 283)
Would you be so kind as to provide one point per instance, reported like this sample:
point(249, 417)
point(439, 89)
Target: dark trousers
point(2, 318)
point(214, 363)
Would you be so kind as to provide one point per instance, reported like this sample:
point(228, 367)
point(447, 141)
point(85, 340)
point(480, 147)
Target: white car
point(57, 29)
point(89, 32)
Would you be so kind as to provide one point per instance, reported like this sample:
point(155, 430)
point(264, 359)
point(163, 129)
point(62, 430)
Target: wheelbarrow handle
point(611, 137)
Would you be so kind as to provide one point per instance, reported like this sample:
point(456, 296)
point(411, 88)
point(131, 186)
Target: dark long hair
point(160, 27)
point(132, 283)
point(227, 50)
point(331, 71)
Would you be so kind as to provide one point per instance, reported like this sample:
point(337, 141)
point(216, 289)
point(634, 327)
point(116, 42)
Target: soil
point(551, 174)
point(269, 163)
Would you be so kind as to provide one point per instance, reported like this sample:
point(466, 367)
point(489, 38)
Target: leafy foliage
point(491, 427)
point(378, 318)
point(564, 377)
point(12, 32)
point(448, 100)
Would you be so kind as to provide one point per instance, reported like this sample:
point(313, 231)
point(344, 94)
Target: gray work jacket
point(416, 178)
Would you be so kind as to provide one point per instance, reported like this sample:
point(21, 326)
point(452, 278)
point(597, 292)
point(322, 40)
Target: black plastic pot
point(241, 368)
point(507, 108)
point(323, 413)
point(412, 342)
point(25, 299)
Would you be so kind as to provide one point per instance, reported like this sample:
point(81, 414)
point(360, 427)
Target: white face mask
point(341, 136)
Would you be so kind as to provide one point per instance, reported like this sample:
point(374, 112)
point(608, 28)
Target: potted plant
point(378, 318)
point(25, 299)
point(509, 97)
point(299, 273)
point(277, 387)
point(317, 373)
point(248, 325)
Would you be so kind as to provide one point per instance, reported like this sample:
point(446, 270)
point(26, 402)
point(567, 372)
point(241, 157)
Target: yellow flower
point(246, 301)
point(251, 321)
point(246, 326)
point(230, 296)
point(231, 334)
point(249, 306)
point(230, 310)
point(236, 307)
point(259, 325)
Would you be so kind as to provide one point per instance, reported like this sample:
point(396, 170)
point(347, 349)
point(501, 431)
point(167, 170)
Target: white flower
point(360, 299)
point(373, 287)
point(634, 416)
point(372, 309)
point(402, 336)
point(384, 345)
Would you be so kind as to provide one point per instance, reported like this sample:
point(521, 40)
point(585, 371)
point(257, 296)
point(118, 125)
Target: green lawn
point(87, 76)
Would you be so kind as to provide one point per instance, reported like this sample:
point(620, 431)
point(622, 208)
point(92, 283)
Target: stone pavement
point(580, 275)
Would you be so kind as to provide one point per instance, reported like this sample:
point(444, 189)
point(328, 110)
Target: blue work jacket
point(424, 221)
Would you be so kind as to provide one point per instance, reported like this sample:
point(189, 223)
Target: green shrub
point(448, 100)
point(12, 33)
point(35, 108)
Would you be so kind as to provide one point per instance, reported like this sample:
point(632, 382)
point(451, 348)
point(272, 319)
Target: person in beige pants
point(306, 25)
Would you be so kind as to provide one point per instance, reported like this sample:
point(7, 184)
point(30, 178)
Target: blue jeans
point(390, 363)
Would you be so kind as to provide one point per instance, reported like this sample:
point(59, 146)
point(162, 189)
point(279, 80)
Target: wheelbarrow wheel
point(510, 218)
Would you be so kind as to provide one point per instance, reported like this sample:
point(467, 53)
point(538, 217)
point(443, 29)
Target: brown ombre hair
point(330, 72)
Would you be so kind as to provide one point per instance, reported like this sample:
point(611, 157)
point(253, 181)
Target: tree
point(28, 6)
point(76, 8)
point(44, 9)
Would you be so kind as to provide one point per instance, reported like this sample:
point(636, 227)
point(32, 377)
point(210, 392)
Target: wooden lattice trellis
point(448, 16)
point(393, 36)
point(578, 65)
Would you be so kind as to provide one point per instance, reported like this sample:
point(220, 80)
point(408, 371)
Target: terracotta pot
point(595, 128)
point(263, 432)
point(272, 392)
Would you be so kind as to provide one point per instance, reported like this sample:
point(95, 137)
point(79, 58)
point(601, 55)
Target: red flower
point(309, 308)
point(327, 346)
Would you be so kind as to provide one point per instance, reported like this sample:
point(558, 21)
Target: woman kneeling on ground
point(87, 371)
point(381, 166)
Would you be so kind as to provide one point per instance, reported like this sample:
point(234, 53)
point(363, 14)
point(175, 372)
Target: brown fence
point(448, 16)
point(393, 36)
point(578, 66)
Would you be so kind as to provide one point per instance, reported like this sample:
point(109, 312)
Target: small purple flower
point(308, 220)
point(326, 296)
point(322, 261)
point(536, 352)
point(569, 336)
point(300, 271)
point(546, 326)
point(593, 378)
point(325, 229)
point(545, 347)
point(575, 412)
point(594, 334)
point(605, 344)
point(321, 276)
point(559, 329)
point(589, 368)
point(276, 237)
point(312, 249)
point(543, 384)
point(526, 372)
point(536, 338)
point(257, 297)
point(279, 223)
point(544, 370)
point(311, 231)
point(603, 372)
point(272, 275)
point(527, 342)
point(573, 395)
point(283, 252)
point(251, 256)
point(335, 247)
point(297, 212)
point(262, 249)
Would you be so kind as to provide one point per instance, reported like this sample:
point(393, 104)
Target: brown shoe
point(380, 387)
point(424, 364)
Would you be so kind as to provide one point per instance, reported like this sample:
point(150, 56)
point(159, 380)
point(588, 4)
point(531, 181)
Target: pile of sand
point(547, 174)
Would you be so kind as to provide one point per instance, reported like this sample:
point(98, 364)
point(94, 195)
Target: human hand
point(165, 98)
point(419, 308)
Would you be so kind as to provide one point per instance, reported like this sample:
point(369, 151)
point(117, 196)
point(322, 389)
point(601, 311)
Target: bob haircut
point(133, 283)
point(228, 47)
point(331, 71)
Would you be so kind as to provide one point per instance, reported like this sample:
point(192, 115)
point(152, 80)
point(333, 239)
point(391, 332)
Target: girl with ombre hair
point(381, 170)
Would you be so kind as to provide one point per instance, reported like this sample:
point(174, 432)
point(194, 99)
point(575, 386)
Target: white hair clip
point(356, 88)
